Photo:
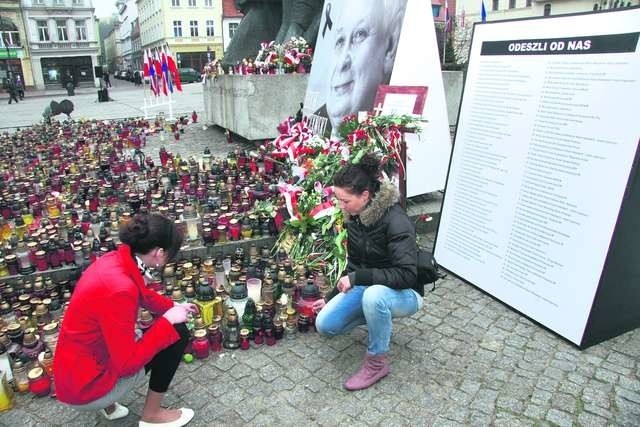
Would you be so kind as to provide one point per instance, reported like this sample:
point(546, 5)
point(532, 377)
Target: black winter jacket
point(381, 245)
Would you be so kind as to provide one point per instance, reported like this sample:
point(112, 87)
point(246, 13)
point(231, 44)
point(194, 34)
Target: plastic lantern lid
point(310, 290)
point(205, 292)
point(238, 291)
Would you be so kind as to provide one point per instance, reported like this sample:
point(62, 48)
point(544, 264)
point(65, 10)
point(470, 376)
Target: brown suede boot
point(373, 369)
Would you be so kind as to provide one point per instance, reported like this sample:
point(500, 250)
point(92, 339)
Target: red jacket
point(97, 343)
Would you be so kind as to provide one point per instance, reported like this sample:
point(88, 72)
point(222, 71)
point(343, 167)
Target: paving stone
point(629, 395)
point(485, 400)
point(512, 404)
point(616, 368)
point(590, 407)
point(506, 419)
point(559, 418)
point(546, 383)
point(269, 372)
point(606, 375)
point(480, 418)
point(535, 411)
point(568, 387)
point(565, 402)
point(540, 396)
point(591, 420)
point(622, 360)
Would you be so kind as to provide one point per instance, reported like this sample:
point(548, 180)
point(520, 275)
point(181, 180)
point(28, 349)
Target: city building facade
point(14, 52)
point(112, 52)
point(63, 42)
point(127, 15)
point(231, 18)
point(191, 28)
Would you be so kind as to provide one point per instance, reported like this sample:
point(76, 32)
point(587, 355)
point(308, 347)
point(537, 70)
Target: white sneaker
point(186, 415)
point(121, 411)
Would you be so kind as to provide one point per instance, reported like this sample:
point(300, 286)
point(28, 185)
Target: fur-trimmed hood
point(387, 196)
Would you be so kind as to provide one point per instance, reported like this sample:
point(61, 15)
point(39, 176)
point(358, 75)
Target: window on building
point(512, 4)
point(233, 27)
point(177, 28)
point(43, 31)
point(193, 26)
point(63, 36)
point(547, 9)
point(38, 1)
point(529, 3)
point(9, 39)
point(81, 30)
point(175, 2)
point(495, 4)
point(192, 3)
point(58, 2)
point(9, 36)
point(208, 3)
point(78, 2)
point(210, 28)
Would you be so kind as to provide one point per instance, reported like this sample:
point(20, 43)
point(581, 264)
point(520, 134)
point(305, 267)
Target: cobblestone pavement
point(464, 359)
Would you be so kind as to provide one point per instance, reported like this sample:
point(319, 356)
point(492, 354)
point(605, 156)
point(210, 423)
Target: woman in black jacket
point(381, 277)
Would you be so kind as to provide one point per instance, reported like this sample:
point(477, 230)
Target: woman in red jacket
point(100, 357)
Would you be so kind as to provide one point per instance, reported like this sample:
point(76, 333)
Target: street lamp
point(208, 53)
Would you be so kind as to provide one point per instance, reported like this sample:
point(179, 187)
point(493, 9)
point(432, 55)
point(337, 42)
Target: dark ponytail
point(357, 177)
point(144, 232)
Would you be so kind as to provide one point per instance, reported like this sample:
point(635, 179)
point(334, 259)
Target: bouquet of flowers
point(299, 50)
point(213, 68)
point(314, 234)
point(267, 56)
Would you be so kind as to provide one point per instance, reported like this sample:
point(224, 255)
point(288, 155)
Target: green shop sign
point(10, 53)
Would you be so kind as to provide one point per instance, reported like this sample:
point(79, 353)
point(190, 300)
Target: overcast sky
point(104, 8)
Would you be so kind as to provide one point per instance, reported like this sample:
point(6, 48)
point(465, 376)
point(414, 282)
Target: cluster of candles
point(31, 310)
point(66, 188)
point(246, 297)
point(64, 191)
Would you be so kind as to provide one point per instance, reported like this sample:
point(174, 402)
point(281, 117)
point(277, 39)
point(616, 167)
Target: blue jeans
point(374, 306)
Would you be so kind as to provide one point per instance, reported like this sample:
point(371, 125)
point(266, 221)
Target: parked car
point(189, 75)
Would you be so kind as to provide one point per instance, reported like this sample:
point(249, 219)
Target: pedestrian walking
point(20, 87)
point(13, 91)
point(107, 79)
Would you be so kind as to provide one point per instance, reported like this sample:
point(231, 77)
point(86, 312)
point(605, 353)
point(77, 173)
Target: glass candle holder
point(222, 234)
point(12, 264)
point(39, 383)
point(200, 344)
point(246, 230)
point(41, 261)
point(244, 339)
point(234, 229)
point(215, 337)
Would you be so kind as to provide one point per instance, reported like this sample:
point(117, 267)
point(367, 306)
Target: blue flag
point(483, 13)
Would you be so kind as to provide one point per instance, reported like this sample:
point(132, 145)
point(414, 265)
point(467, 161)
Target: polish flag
point(173, 69)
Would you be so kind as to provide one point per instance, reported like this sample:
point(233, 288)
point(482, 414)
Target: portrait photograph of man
point(355, 53)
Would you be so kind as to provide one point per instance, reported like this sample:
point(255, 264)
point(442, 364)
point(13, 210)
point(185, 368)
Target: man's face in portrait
point(361, 50)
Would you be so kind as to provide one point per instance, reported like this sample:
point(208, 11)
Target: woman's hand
point(178, 313)
point(344, 284)
point(192, 308)
point(318, 305)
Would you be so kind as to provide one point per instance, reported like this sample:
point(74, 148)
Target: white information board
point(547, 135)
